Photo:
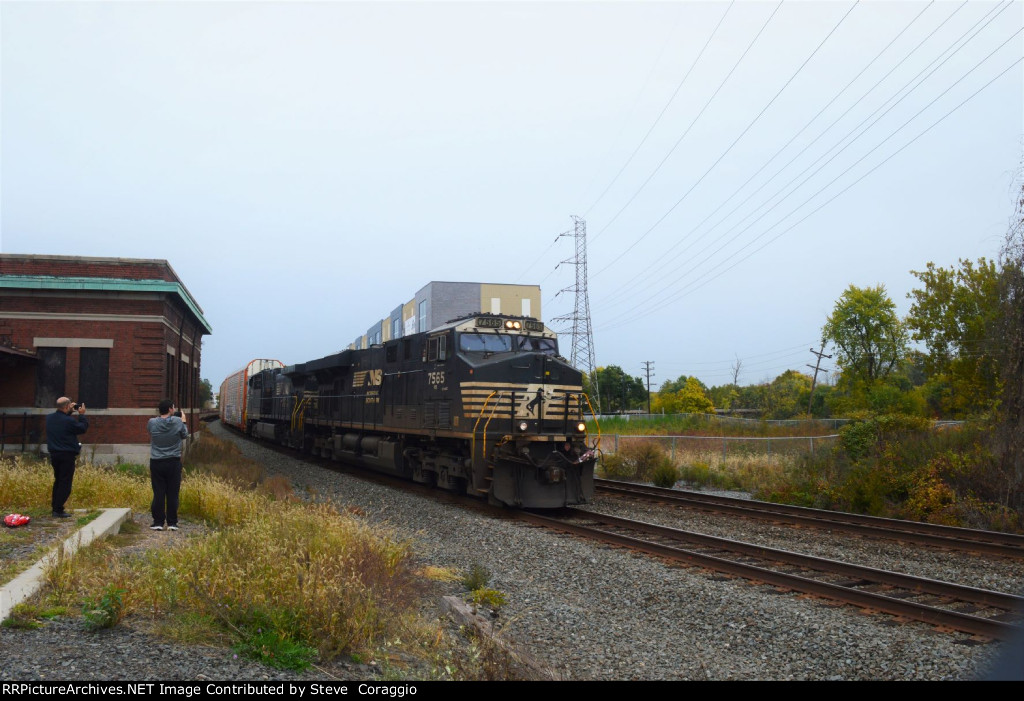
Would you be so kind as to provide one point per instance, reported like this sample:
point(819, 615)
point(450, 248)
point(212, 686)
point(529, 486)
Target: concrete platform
point(31, 580)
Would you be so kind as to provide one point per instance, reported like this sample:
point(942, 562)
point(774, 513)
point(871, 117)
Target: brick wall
point(138, 365)
point(121, 268)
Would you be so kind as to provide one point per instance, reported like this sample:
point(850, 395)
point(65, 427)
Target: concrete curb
point(31, 580)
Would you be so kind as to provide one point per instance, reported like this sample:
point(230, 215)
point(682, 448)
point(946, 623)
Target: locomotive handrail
point(298, 413)
point(488, 422)
point(597, 446)
point(477, 425)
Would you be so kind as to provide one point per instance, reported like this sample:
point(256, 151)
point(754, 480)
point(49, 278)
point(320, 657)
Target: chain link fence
point(713, 449)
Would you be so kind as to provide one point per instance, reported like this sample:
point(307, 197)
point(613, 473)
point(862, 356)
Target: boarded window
point(526, 307)
point(495, 305)
point(183, 376)
point(423, 316)
point(94, 377)
point(50, 375)
point(169, 378)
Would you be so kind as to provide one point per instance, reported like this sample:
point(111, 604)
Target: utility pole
point(648, 366)
point(814, 381)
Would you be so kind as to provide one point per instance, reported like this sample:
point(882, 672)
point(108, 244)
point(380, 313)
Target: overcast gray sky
point(307, 167)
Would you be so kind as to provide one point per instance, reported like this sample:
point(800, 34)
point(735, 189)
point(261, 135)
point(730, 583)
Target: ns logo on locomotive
point(483, 405)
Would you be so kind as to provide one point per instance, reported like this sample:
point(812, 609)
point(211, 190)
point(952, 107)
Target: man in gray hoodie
point(165, 436)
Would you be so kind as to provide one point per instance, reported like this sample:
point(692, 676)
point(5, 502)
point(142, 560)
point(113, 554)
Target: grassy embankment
point(892, 466)
point(281, 581)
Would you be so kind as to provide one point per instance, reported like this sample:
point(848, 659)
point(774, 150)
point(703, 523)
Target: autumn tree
point(1010, 334)
point(684, 395)
point(954, 315)
point(870, 338)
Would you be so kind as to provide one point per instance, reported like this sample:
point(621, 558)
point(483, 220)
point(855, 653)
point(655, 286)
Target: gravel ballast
point(591, 612)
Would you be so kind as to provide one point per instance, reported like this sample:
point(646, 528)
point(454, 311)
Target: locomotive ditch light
point(581, 427)
point(523, 425)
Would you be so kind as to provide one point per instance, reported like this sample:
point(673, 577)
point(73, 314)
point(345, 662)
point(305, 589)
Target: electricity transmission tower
point(582, 357)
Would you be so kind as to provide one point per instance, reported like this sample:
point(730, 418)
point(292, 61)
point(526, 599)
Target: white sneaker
point(172, 528)
point(156, 527)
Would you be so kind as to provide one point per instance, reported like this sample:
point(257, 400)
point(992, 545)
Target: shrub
point(488, 598)
point(263, 642)
point(697, 473)
point(615, 467)
point(106, 611)
point(635, 460)
point(477, 577)
point(665, 474)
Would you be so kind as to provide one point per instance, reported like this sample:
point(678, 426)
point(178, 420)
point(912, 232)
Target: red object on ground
point(15, 520)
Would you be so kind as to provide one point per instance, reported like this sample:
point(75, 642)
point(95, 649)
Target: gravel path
point(597, 613)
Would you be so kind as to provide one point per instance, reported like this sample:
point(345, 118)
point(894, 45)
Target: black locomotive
point(482, 405)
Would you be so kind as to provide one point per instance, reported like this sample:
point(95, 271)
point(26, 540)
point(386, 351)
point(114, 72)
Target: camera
point(178, 414)
point(74, 406)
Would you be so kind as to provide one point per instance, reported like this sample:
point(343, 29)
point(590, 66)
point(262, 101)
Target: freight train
point(482, 405)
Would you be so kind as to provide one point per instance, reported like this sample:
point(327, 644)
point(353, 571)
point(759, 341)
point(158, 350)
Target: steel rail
point(933, 615)
point(950, 537)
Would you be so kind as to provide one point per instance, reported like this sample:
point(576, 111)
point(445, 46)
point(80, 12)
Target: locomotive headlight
point(523, 425)
point(510, 324)
point(581, 427)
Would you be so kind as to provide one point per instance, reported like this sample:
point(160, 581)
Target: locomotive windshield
point(504, 343)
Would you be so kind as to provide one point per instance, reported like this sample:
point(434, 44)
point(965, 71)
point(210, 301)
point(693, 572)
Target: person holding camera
point(62, 430)
point(165, 436)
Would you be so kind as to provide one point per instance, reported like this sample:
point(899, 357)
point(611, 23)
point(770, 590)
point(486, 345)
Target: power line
point(663, 109)
point(693, 267)
point(844, 190)
point(735, 141)
point(664, 263)
point(699, 114)
point(951, 52)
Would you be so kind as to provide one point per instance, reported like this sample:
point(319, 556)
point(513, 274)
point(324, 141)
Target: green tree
point(870, 338)
point(205, 392)
point(619, 391)
point(954, 315)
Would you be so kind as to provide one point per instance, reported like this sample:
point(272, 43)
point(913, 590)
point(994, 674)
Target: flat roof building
point(439, 302)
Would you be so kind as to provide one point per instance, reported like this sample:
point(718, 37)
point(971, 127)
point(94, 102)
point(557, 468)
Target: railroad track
point(980, 612)
point(951, 606)
point(961, 539)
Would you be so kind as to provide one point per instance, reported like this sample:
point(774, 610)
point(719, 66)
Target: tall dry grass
point(304, 575)
point(27, 482)
point(698, 465)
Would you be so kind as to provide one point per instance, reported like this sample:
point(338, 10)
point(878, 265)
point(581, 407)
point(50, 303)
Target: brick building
point(116, 334)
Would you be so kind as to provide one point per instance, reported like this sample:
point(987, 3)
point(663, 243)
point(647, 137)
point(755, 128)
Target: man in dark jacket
point(62, 430)
point(165, 436)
